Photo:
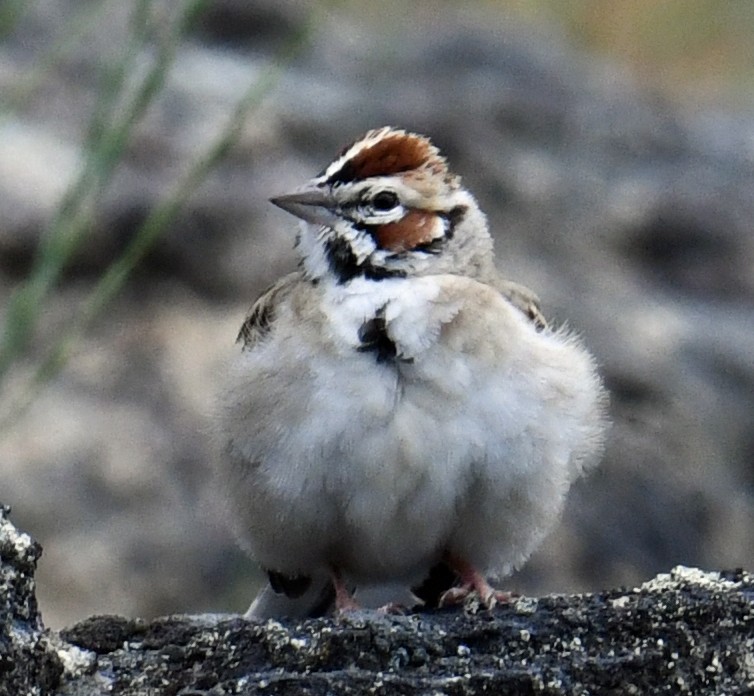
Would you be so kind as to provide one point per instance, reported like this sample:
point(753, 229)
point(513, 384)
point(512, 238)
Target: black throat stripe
point(344, 264)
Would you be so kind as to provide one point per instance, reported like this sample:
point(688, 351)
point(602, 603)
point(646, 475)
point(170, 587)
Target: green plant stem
point(111, 147)
point(166, 211)
point(70, 226)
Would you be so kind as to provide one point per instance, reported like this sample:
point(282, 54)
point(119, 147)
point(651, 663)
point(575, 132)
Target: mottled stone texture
point(27, 664)
point(686, 632)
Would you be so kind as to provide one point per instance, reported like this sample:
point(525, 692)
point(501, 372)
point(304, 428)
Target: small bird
point(399, 414)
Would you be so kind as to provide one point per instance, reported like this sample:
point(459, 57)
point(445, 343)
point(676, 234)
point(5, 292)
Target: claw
point(471, 582)
point(393, 609)
point(488, 597)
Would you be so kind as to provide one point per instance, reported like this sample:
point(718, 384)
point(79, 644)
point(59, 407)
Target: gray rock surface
point(631, 216)
point(686, 632)
point(27, 663)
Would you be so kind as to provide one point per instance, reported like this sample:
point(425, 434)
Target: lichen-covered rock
point(19, 554)
point(27, 665)
point(686, 632)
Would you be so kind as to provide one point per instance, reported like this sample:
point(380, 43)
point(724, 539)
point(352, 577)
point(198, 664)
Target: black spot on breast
point(290, 585)
point(374, 338)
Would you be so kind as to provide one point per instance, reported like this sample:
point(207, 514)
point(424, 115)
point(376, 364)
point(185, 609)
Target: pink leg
point(344, 600)
point(471, 580)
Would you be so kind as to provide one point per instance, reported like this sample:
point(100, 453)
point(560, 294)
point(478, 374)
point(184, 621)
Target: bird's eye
point(385, 200)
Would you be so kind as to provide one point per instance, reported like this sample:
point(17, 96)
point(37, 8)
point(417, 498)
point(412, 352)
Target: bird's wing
point(262, 313)
point(523, 299)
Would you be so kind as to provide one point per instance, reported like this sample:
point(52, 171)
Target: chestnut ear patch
point(392, 155)
point(415, 229)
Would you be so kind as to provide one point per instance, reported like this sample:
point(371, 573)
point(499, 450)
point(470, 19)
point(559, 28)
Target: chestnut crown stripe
point(378, 154)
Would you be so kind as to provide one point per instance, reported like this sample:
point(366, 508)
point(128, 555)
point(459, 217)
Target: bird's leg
point(344, 600)
point(471, 580)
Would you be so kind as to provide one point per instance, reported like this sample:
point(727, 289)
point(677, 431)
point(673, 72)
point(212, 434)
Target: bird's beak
point(310, 203)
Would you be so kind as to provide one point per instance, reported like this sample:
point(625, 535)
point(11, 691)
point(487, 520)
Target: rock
point(27, 664)
point(688, 631)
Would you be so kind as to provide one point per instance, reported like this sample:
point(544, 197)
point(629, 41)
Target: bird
point(399, 413)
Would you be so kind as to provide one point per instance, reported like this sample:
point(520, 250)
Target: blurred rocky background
point(611, 144)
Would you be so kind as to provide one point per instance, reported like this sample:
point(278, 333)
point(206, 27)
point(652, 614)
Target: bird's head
point(387, 206)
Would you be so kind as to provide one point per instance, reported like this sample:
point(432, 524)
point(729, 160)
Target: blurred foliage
point(127, 90)
point(698, 48)
point(10, 12)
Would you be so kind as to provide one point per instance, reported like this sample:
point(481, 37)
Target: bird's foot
point(472, 582)
point(489, 597)
point(344, 601)
point(393, 609)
